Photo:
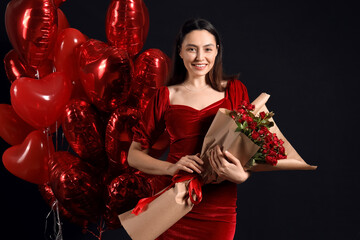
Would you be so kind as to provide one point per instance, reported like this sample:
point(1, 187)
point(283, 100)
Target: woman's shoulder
point(233, 84)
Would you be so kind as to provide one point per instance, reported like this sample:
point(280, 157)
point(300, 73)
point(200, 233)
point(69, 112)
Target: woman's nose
point(199, 55)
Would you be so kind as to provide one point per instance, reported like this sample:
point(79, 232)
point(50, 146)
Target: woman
point(186, 108)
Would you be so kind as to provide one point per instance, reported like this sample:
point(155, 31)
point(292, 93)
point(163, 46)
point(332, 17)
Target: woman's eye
point(191, 49)
point(208, 49)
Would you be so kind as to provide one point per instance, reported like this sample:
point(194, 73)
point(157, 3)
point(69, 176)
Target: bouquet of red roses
point(257, 129)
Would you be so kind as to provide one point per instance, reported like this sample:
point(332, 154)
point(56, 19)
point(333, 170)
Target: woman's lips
point(200, 66)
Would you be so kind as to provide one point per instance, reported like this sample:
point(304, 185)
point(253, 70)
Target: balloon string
point(57, 229)
point(48, 132)
point(100, 229)
point(56, 136)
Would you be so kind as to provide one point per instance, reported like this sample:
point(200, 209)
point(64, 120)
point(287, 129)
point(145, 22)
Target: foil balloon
point(64, 58)
point(29, 160)
point(40, 102)
point(13, 129)
point(119, 136)
point(83, 130)
point(58, 3)
point(151, 70)
point(122, 194)
point(31, 26)
point(127, 25)
point(105, 74)
point(76, 186)
point(15, 68)
point(49, 197)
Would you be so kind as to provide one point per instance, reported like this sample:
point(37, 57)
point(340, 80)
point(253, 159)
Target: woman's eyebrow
point(193, 45)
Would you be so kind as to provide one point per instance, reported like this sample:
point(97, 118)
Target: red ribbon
point(194, 188)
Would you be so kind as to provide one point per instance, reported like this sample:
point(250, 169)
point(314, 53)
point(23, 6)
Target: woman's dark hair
point(178, 73)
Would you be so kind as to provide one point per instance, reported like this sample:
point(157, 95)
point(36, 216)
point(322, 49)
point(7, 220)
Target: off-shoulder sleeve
point(237, 93)
point(152, 124)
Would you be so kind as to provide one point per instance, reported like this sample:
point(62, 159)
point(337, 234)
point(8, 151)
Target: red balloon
point(31, 26)
point(84, 130)
point(15, 68)
point(105, 74)
point(122, 194)
point(29, 160)
point(49, 197)
point(40, 102)
point(119, 136)
point(76, 186)
point(65, 60)
point(151, 71)
point(62, 21)
point(58, 3)
point(127, 25)
point(12, 128)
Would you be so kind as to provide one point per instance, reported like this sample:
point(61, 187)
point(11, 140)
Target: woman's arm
point(141, 160)
point(227, 166)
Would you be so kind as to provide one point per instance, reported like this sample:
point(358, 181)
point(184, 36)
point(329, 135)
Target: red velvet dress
point(215, 217)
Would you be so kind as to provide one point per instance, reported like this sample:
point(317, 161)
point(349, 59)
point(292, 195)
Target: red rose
point(255, 135)
point(282, 150)
point(262, 115)
point(249, 119)
point(271, 160)
point(252, 125)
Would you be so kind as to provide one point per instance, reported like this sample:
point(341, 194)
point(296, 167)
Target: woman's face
point(198, 51)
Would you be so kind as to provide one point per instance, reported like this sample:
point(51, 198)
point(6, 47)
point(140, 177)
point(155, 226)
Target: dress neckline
point(195, 109)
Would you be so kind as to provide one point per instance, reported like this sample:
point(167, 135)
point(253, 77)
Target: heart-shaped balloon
point(40, 102)
point(15, 68)
point(105, 74)
point(119, 136)
point(64, 58)
point(58, 3)
point(151, 70)
point(127, 25)
point(29, 160)
point(12, 128)
point(76, 186)
point(49, 197)
point(122, 194)
point(63, 23)
point(84, 130)
point(31, 26)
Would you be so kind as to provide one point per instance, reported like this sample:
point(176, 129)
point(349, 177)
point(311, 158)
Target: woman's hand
point(188, 163)
point(227, 166)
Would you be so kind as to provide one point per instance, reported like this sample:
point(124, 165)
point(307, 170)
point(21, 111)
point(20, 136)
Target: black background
point(304, 54)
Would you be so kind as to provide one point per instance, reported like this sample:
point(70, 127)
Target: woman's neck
point(195, 82)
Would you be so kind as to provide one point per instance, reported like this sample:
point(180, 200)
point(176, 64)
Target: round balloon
point(84, 131)
point(127, 25)
point(40, 102)
point(29, 160)
point(31, 26)
point(105, 74)
point(76, 186)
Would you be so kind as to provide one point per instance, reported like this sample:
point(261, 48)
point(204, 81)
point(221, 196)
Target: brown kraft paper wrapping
point(160, 214)
point(293, 160)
